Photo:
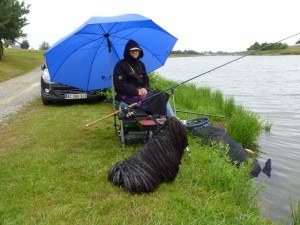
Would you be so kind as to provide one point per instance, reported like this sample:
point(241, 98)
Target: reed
point(295, 213)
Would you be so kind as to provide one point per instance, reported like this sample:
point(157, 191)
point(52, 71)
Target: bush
point(24, 44)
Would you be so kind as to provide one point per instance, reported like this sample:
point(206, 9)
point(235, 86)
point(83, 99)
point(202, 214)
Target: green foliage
point(295, 213)
point(255, 46)
point(266, 126)
point(188, 52)
point(107, 93)
point(244, 127)
point(12, 20)
point(44, 46)
point(291, 50)
point(298, 42)
point(157, 82)
point(24, 44)
point(267, 46)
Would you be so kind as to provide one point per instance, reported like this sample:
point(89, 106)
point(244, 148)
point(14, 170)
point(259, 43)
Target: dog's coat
point(156, 162)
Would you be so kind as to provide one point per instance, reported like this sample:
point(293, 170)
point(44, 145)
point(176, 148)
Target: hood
point(132, 44)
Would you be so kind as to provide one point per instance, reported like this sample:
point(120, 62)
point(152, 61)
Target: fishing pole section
point(109, 115)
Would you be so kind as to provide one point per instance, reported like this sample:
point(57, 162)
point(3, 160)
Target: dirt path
point(17, 92)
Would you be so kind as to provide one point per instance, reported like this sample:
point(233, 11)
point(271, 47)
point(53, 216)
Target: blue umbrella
point(86, 57)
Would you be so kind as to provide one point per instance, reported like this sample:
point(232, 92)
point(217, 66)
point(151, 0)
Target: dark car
point(55, 92)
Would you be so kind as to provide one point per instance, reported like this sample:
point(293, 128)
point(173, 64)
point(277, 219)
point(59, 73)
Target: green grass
point(295, 213)
point(16, 62)
point(291, 50)
point(54, 171)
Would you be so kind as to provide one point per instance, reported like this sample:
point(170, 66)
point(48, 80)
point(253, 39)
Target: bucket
point(197, 123)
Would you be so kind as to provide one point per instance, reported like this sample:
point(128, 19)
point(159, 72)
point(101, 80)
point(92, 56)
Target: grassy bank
point(291, 50)
point(54, 170)
point(16, 62)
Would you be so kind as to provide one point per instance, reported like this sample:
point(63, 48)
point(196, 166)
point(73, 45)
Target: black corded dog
point(156, 162)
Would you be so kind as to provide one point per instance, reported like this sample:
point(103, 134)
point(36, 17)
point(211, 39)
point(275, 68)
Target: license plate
point(75, 96)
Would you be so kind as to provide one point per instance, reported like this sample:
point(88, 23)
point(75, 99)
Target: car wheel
point(46, 102)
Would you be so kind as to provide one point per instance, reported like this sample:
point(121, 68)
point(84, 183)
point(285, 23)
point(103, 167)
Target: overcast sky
point(206, 25)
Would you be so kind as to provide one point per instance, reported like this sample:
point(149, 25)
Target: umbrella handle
point(109, 115)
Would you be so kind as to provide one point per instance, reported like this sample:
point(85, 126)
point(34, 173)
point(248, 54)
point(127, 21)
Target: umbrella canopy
point(86, 57)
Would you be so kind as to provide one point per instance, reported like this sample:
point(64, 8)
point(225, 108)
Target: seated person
point(131, 83)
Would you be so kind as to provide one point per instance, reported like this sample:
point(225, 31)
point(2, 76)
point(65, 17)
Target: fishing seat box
point(137, 126)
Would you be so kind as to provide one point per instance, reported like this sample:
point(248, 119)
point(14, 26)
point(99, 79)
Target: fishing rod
point(183, 82)
point(109, 115)
point(202, 114)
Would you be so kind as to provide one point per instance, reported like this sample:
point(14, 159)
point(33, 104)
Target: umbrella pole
point(112, 88)
point(109, 44)
point(112, 80)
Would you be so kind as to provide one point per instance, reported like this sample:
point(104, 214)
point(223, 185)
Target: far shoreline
point(291, 50)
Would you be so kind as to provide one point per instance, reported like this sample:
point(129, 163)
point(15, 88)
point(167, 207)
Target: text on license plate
point(75, 96)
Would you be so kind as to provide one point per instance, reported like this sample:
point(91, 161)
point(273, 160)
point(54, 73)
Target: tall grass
point(244, 125)
point(295, 214)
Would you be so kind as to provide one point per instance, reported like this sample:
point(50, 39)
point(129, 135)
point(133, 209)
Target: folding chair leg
point(115, 124)
point(122, 134)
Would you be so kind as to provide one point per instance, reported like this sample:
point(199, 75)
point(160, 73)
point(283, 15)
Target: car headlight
point(46, 76)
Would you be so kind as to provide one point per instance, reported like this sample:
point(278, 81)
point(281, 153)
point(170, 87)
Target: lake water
point(270, 87)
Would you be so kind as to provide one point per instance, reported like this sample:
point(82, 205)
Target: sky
point(206, 25)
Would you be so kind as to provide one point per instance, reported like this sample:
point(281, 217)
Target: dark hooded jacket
point(130, 73)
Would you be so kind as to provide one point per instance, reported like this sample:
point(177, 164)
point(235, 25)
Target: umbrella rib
point(71, 53)
point(99, 52)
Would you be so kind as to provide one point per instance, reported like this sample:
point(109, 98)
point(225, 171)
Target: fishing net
point(236, 152)
point(202, 129)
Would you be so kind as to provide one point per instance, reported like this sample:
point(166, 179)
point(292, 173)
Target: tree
point(255, 46)
point(24, 44)
point(44, 46)
point(12, 20)
point(298, 42)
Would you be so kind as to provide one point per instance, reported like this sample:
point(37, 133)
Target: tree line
point(192, 52)
point(268, 46)
point(256, 46)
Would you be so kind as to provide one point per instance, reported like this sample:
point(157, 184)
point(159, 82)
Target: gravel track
point(19, 91)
